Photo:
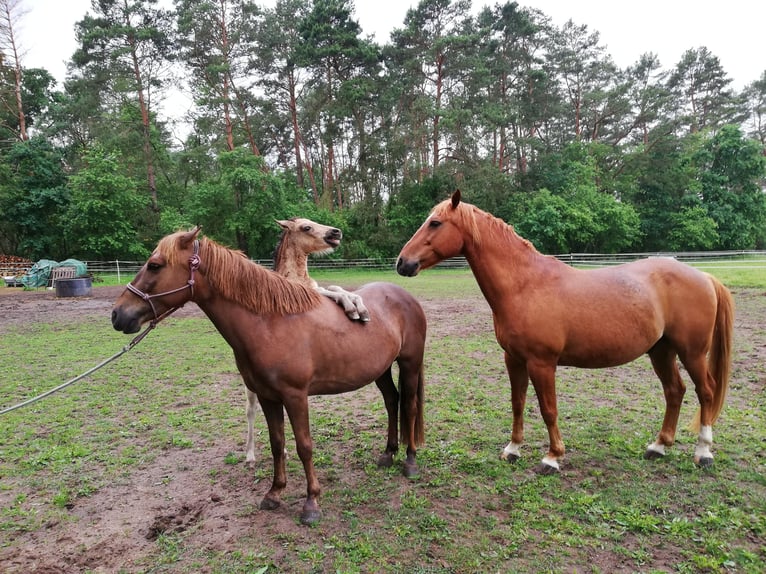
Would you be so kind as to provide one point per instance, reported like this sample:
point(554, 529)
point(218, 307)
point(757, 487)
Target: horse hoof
point(651, 454)
point(705, 462)
point(510, 458)
point(269, 504)
point(386, 460)
point(546, 469)
point(310, 517)
point(411, 471)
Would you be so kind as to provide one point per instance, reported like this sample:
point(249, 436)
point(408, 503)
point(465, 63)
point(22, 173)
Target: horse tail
point(420, 432)
point(719, 358)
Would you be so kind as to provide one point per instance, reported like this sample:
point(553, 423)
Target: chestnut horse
point(547, 313)
point(300, 238)
point(289, 342)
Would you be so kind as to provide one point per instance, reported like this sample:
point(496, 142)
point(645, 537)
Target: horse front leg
point(391, 399)
point(543, 377)
point(298, 411)
point(352, 303)
point(275, 420)
point(250, 413)
point(517, 373)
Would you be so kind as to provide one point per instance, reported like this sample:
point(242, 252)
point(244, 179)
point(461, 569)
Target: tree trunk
point(7, 7)
point(145, 122)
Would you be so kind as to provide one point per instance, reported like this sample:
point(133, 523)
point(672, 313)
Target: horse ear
point(189, 236)
point(282, 223)
point(455, 198)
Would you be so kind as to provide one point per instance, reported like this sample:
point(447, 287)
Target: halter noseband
point(194, 262)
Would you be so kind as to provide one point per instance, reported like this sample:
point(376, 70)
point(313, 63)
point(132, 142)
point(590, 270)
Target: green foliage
point(533, 122)
point(581, 214)
point(34, 201)
point(407, 210)
point(731, 168)
point(239, 205)
point(691, 229)
point(104, 211)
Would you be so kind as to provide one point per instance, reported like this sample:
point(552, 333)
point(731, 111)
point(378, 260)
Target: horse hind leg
point(663, 358)
point(391, 399)
point(704, 385)
point(411, 410)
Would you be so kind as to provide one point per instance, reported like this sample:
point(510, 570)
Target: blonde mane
point(236, 278)
point(480, 225)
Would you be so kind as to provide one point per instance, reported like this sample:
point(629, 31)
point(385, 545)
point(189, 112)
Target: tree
point(426, 54)
point(755, 96)
point(124, 50)
point(575, 214)
point(700, 86)
point(731, 170)
point(337, 58)
point(586, 75)
point(10, 14)
point(216, 37)
point(239, 204)
point(34, 200)
point(105, 210)
point(512, 83)
point(275, 61)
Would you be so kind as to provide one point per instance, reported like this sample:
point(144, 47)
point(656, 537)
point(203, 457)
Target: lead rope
point(194, 262)
point(124, 350)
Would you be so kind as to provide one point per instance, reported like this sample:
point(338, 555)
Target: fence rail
point(710, 259)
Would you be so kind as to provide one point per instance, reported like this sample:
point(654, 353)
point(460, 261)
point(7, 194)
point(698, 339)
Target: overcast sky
point(732, 30)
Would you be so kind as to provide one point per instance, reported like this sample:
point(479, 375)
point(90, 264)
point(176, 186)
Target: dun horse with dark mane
point(547, 313)
point(289, 342)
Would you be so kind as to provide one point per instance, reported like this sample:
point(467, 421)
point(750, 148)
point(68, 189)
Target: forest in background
point(297, 113)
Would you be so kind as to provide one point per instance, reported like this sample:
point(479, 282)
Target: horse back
point(325, 352)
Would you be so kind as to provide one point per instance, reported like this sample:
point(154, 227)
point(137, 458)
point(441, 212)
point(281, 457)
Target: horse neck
point(502, 262)
point(292, 263)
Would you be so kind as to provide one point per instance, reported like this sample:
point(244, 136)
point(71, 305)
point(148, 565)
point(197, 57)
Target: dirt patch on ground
point(116, 528)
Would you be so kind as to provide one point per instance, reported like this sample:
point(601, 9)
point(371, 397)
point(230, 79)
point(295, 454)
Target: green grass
point(609, 510)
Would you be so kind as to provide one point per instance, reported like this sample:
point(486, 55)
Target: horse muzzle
point(333, 237)
point(407, 267)
point(126, 322)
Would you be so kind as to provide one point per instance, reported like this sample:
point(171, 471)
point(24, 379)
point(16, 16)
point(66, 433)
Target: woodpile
point(13, 265)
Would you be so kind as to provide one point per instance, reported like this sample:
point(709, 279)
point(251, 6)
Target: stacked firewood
point(11, 265)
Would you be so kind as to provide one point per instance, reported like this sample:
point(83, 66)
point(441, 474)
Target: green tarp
point(40, 273)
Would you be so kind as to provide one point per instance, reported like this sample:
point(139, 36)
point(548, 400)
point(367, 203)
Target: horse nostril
point(406, 268)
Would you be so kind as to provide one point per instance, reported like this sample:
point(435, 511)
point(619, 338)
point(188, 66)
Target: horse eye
point(306, 228)
point(153, 266)
point(434, 223)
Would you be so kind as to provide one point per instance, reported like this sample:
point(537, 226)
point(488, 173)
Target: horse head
point(309, 236)
point(164, 283)
point(440, 237)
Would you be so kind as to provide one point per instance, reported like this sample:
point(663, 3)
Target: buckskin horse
point(289, 342)
point(300, 238)
point(547, 313)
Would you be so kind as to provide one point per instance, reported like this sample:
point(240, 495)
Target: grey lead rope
point(124, 350)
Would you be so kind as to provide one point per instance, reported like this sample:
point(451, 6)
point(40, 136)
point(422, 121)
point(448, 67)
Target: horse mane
point(480, 225)
point(236, 278)
point(280, 248)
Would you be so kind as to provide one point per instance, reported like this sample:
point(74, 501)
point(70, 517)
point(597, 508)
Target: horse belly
point(609, 344)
